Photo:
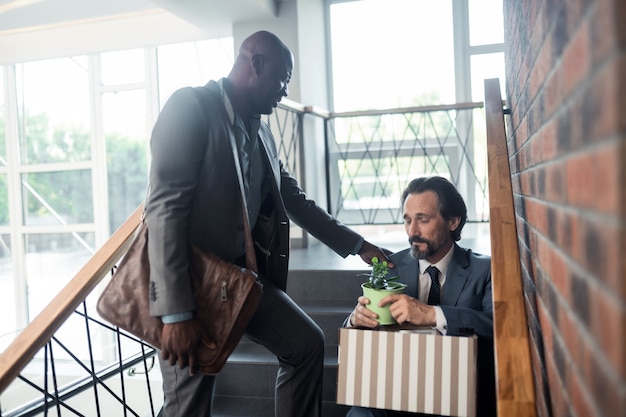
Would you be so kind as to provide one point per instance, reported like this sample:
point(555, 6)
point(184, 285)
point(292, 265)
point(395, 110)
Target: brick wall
point(566, 88)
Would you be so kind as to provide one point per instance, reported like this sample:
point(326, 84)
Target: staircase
point(245, 387)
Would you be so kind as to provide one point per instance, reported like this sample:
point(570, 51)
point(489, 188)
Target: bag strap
point(248, 245)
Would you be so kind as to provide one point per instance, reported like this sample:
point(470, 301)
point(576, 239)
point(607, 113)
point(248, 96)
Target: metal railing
point(69, 362)
point(372, 156)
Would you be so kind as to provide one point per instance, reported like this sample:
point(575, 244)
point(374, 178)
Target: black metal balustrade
point(372, 155)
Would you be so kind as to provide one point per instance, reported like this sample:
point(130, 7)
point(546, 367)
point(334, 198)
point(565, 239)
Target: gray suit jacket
point(195, 197)
point(466, 299)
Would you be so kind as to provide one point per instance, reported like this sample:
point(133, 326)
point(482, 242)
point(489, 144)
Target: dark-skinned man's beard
point(432, 246)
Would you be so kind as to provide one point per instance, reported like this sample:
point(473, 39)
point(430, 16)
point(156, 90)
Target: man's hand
point(368, 251)
point(179, 343)
point(362, 316)
point(406, 309)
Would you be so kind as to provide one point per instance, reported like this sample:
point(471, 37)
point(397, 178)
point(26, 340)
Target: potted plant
point(378, 286)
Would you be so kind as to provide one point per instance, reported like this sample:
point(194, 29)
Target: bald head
point(263, 43)
point(259, 77)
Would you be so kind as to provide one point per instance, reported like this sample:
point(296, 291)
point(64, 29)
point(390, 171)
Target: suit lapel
point(456, 277)
point(268, 152)
point(407, 269)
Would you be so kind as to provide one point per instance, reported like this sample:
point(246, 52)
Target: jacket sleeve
point(177, 151)
point(474, 311)
point(315, 220)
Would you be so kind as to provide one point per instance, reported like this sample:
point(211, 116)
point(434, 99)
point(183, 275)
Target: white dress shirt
point(425, 283)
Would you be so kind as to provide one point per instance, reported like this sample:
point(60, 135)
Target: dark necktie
point(435, 289)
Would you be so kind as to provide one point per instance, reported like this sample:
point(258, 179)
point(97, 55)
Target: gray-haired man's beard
point(431, 247)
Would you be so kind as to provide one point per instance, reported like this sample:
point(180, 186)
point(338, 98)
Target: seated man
point(454, 298)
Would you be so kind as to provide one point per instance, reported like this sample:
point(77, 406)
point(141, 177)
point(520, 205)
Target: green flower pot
point(375, 295)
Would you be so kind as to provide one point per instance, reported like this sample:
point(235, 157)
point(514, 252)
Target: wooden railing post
point(514, 372)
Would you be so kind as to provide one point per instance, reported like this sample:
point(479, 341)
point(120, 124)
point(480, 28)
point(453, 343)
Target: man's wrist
point(176, 317)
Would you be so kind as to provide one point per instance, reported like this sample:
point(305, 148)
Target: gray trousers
point(288, 332)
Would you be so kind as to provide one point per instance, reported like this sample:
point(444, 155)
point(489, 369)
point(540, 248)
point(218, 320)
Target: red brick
point(575, 122)
point(536, 215)
point(535, 148)
point(538, 34)
point(620, 16)
point(604, 389)
point(601, 104)
point(570, 329)
point(559, 274)
point(558, 394)
point(556, 183)
point(607, 316)
point(582, 403)
point(554, 92)
point(601, 255)
point(606, 179)
point(577, 247)
point(576, 61)
point(548, 141)
point(539, 72)
point(580, 180)
point(603, 25)
point(621, 94)
point(524, 181)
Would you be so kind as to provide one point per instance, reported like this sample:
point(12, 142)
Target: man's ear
point(257, 63)
point(454, 223)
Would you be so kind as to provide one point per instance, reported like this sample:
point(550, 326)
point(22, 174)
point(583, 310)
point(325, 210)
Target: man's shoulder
point(402, 257)
point(471, 259)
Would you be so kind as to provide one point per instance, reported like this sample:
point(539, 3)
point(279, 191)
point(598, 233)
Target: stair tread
point(252, 353)
point(235, 406)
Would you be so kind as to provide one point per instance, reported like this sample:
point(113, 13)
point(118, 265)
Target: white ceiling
point(24, 15)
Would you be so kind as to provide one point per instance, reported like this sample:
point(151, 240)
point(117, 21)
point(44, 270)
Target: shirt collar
point(232, 117)
point(442, 265)
point(227, 104)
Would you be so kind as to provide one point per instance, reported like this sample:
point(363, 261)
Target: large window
point(74, 157)
point(402, 53)
point(392, 53)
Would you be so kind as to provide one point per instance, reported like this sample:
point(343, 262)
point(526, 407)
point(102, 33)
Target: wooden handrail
point(514, 373)
point(40, 330)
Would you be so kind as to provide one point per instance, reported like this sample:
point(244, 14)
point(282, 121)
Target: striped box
point(407, 371)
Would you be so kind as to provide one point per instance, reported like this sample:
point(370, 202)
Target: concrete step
point(325, 287)
point(233, 406)
point(251, 372)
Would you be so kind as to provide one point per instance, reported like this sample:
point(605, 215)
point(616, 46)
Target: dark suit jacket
point(195, 197)
point(466, 298)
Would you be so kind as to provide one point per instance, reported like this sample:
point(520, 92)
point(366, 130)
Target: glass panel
point(123, 67)
point(126, 131)
point(7, 289)
point(3, 147)
point(53, 198)
point(52, 260)
point(398, 53)
point(192, 64)
point(53, 111)
point(378, 184)
point(486, 66)
point(486, 22)
point(4, 201)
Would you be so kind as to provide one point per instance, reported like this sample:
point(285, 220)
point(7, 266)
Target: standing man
point(454, 298)
point(195, 197)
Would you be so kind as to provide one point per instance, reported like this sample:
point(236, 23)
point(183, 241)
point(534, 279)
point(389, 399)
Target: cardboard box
point(407, 371)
